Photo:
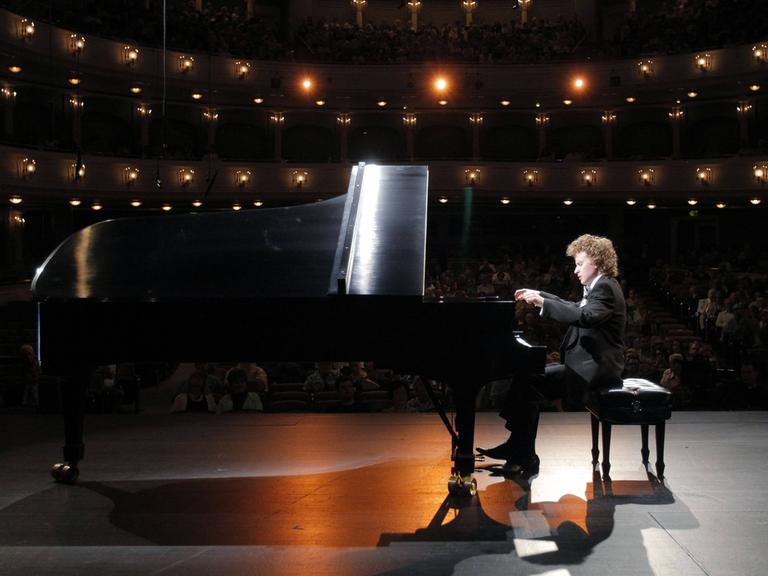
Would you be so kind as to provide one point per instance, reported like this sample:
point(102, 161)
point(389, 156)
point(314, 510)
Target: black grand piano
point(342, 278)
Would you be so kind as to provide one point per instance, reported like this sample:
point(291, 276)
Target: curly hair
point(599, 249)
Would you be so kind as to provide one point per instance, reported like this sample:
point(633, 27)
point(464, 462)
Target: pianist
point(592, 350)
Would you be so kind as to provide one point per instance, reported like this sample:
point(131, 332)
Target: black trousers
point(521, 406)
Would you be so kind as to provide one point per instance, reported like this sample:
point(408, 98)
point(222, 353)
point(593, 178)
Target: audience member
point(322, 379)
point(196, 398)
point(239, 398)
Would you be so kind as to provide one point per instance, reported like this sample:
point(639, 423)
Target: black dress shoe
point(500, 452)
point(527, 467)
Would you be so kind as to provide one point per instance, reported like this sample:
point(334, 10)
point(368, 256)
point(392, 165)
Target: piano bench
point(637, 401)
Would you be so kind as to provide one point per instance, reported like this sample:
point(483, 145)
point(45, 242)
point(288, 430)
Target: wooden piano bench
point(637, 401)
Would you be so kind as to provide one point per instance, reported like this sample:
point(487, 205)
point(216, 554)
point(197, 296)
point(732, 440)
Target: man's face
point(585, 269)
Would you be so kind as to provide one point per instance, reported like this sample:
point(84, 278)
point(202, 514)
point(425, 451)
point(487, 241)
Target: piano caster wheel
point(462, 486)
point(64, 473)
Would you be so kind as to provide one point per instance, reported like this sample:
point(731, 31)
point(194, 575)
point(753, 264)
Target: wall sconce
point(96, 206)
point(471, 176)
point(343, 119)
point(358, 4)
point(130, 175)
point(704, 176)
point(77, 171)
point(136, 203)
point(755, 201)
point(143, 110)
point(651, 205)
point(568, 202)
point(76, 44)
point(277, 118)
point(505, 201)
point(443, 200)
point(242, 178)
point(692, 201)
point(475, 119)
point(15, 199)
point(677, 113)
point(298, 178)
point(25, 29)
point(608, 117)
point(75, 202)
point(743, 107)
point(77, 102)
point(631, 201)
point(185, 177)
point(74, 79)
point(589, 177)
point(469, 5)
point(27, 168)
point(414, 6)
point(184, 64)
point(409, 120)
point(236, 206)
point(647, 176)
point(760, 172)
point(760, 53)
point(645, 67)
point(703, 62)
point(542, 119)
point(720, 205)
point(8, 94)
point(258, 203)
point(211, 115)
point(166, 207)
point(130, 56)
point(242, 69)
point(531, 177)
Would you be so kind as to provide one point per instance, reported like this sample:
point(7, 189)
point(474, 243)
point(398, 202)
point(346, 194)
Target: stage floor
point(366, 494)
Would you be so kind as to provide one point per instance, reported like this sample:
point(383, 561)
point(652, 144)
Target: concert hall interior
point(258, 263)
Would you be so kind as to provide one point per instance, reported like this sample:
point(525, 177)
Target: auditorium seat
point(638, 402)
point(288, 401)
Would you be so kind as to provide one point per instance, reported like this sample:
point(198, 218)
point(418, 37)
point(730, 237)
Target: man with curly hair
point(592, 350)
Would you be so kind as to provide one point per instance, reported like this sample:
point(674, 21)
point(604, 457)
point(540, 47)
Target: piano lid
point(369, 241)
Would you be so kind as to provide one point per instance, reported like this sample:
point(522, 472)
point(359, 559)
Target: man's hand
point(530, 296)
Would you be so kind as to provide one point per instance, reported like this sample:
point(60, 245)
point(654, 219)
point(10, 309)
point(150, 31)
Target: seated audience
point(239, 398)
point(348, 400)
point(322, 379)
point(195, 399)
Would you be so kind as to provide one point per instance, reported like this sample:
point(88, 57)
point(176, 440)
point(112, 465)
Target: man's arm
point(598, 309)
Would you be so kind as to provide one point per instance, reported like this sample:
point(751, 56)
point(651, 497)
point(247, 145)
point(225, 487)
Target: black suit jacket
point(593, 346)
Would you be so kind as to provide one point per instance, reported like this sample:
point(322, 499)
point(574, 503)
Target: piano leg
point(461, 482)
point(73, 404)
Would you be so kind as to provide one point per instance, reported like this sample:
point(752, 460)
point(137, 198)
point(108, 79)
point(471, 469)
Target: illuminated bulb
point(692, 201)
point(441, 84)
point(236, 207)
point(754, 201)
point(567, 102)
point(505, 102)
point(135, 203)
point(258, 203)
point(720, 205)
point(381, 103)
point(651, 205)
point(258, 100)
point(759, 173)
point(631, 202)
point(166, 207)
point(74, 80)
point(442, 102)
point(196, 95)
point(306, 84)
point(579, 83)
point(505, 201)
point(96, 206)
point(15, 200)
point(631, 99)
point(14, 69)
point(568, 202)
point(197, 203)
point(320, 102)
point(136, 89)
point(75, 201)
point(754, 87)
point(692, 94)
point(443, 200)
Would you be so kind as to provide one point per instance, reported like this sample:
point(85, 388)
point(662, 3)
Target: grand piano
point(341, 278)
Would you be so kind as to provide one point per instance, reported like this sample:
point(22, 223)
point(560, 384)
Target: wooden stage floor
point(280, 494)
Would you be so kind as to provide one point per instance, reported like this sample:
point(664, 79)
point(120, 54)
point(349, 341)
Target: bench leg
point(606, 450)
point(660, 429)
point(644, 450)
point(595, 434)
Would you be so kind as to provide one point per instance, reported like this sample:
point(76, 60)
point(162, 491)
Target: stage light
point(135, 89)
point(567, 101)
point(381, 103)
point(505, 103)
point(651, 205)
point(74, 80)
point(320, 102)
point(197, 96)
point(692, 94)
point(754, 87)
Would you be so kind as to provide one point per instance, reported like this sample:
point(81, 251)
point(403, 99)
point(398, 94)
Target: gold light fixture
point(471, 175)
point(720, 205)
point(343, 119)
point(703, 61)
point(27, 168)
point(567, 101)
point(651, 205)
point(631, 202)
point(258, 100)
point(14, 69)
point(76, 171)
point(759, 53)
point(320, 103)
point(647, 176)
point(143, 110)
point(8, 94)
point(258, 203)
point(754, 87)
point(743, 107)
point(568, 202)
point(242, 178)
point(443, 200)
point(760, 172)
point(505, 201)
point(242, 70)
point(130, 175)
point(531, 177)
point(197, 95)
point(299, 178)
point(608, 117)
point(184, 64)
point(130, 56)
point(96, 206)
point(692, 201)
point(645, 67)
point(277, 118)
point(210, 115)
point(409, 120)
point(197, 203)
point(381, 103)
point(677, 113)
point(505, 103)
point(443, 102)
point(755, 201)
point(166, 207)
point(185, 176)
point(236, 207)
point(75, 202)
point(74, 80)
point(136, 203)
point(704, 176)
point(15, 199)
point(630, 99)
point(136, 89)
point(692, 94)
point(77, 102)
point(588, 177)
point(542, 119)
point(476, 119)
point(25, 29)
point(76, 44)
